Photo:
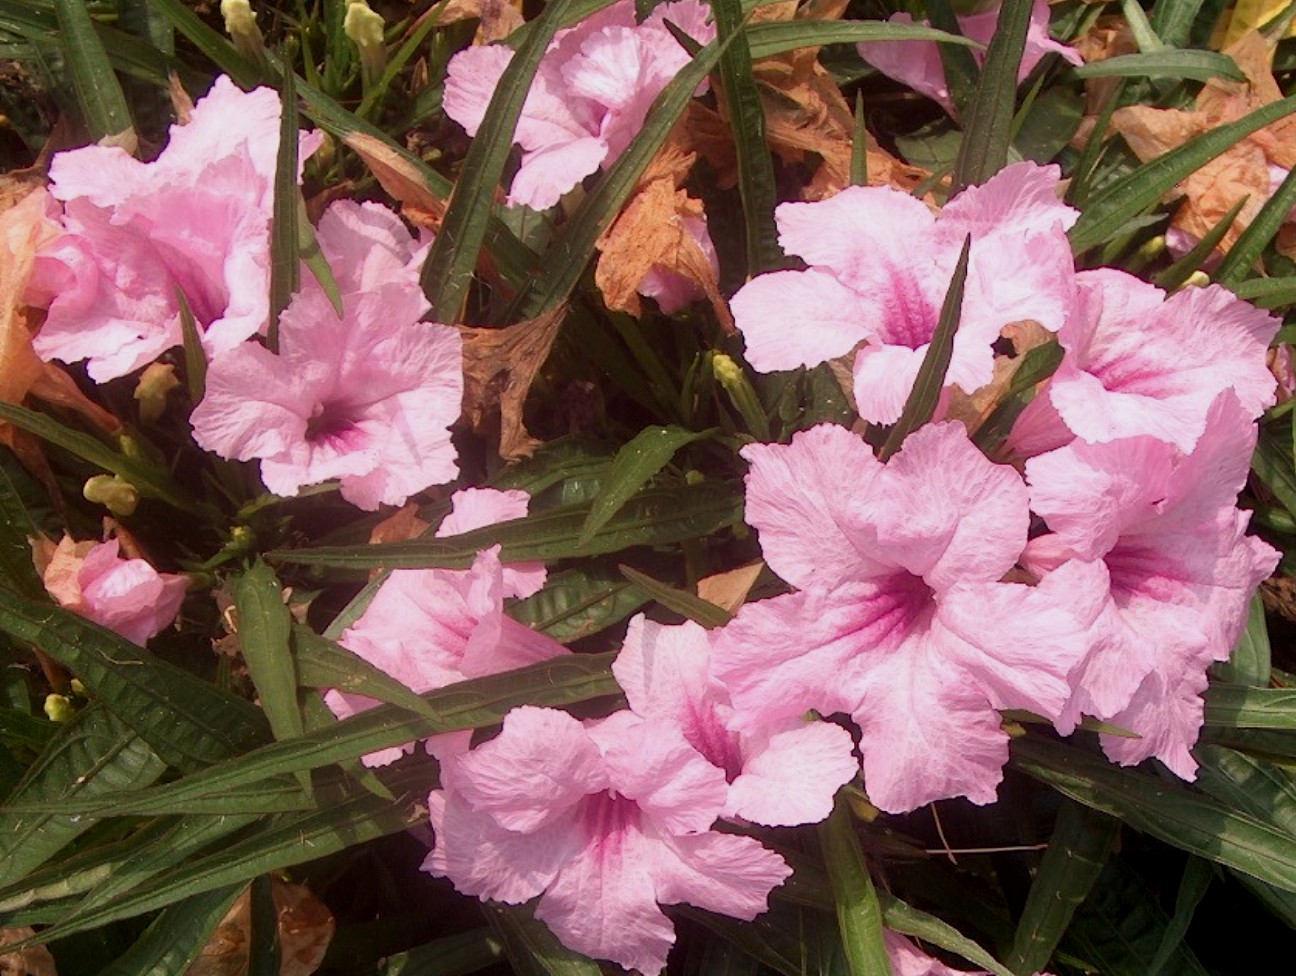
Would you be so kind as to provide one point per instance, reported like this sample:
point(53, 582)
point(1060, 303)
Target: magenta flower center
point(335, 423)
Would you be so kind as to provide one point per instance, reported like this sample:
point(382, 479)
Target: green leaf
point(471, 704)
point(263, 935)
point(962, 73)
point(907, 920)
point(1250, 662)
point(747, 119)
point(1174, 276)
point(920, 407)
point(211, 43)
point(312, 255)
point(323, 664)
point(859, 915)
point(1144, 36)
point(637, 463)
point(1250, 785)
point(1196, 879)
point(449, 267)
point(651, 518)
point(264, 629)
point(1173, 20)
point(99, 94)
point(695, 608)
point(285, 256)
point(770, 39)
point(16, 527)
point(531, 947)
point(195, 357)
point(1108, 211)
point(1082, 839)
point(93, 755)
point(1246, 250)
point(574, 246)
point(859, 145)
point(453, 955)
point(1240, 707)
point(987, 136)
point(1268, 292)
point(1166, 63)
point(1170, 813)
point(176, 937)
point(579, 603)
point(189, 722)
point(1273, 464)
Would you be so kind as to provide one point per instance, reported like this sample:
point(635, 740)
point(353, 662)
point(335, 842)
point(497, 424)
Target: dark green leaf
point(920, 407)
point(578, 603)
point(449, 267)
point(859, 145)
point(962, 72)
point(263, 935)
point(1167, 63)
point(176, 937)
point(16, 527)
point(195, 357)
point(1273, 464)
point(1179, 272)
point(323, 664)
point(1196, 879)
point(211, 43)
point(695, 608)
point(285, 255)
point(99, 94)
point(453, 955)
point(637, 463)
point(1237, 706)
point(188, 721)
point(1110, 210)
point(987, 136)
point(769, 39)
point(531, 947)
point(1246, 250)
point(1250, 661)
point(1082, 839)
point(1268, 292)
point(859, 915)
point(1265, 791)
point(1173, 20)
point(907, 920)
point(652, 517)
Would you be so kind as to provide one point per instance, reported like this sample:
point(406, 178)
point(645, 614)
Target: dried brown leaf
point(729, 590)
point(499, 368)
point(974, 408)
point(305, 930)
point(31, 960)
point(498, 18)
point(403, 183)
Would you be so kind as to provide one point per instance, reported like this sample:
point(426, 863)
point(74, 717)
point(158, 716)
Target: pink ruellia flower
point(781, 775)
point(429, 628)
point(908, 960)
point(128, 596)
point(604, 820)
point(1181, 568)
point(1138, 363)
point(194, 221)
point(918, 63)
point(590, 95)
point(367, 397)
point(901, 619)
point(880, 265)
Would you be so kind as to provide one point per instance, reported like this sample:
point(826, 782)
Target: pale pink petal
point(252, 407)
point(883, 380)
point(1013, 277)
point(476, 508)
point(913, 63)
point(672, 291)
point(530, 776)
point(128, 596)
point(830, 320)
point(547, 173)
point(789, 776)
point(1021, 199)
point(809, 501)
point(665, 673)
point(367, 245)
point(717, 872)
point(471, 79)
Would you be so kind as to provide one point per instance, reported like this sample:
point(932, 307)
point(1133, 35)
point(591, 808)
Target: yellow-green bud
point(1198, 279)
point(58, 708)
point(365, 27)
point(110, 491)
point(77, 687)
point(728, 372)
point(694, 477)
point(151, 391)
point(241, 25)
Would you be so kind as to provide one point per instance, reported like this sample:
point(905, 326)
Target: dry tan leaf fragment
point(400, 527)
point(305, 929)
point(31, 960)
point(974, 408)
point(499, 368)
point(729, 589)
point(400, 179)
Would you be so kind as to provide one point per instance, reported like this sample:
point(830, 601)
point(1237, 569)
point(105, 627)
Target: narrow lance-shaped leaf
point(1197, 877)
point(770, 39)
point(1251, 785)
point(449, 266)
point(962, 73)
point(530, 946)
point(747, 119)
point(859, 915)
point(641, 459)
point(16, 527)
point(99, 94)
point(454, 955)
point(1168, 63)
point(1108, 211)
point(907, 920)
point(1246, 250)
point(264, 626)
point(923, 399)
point(324, 664)
point(988, 133)
point(1241, 707)
point(263, 948)
point(285, 255)
point(859, 145)
point(695, 608)
point(1082, 839)
point(176, 937)
point(195, 357)
point(1174, 276)
point(1271, 293)
point(211, 43)
point(1173, 20)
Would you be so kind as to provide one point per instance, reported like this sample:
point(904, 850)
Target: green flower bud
point(110, 491)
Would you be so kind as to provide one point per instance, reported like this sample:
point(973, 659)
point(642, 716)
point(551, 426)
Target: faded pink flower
point(780, 775)
point(429, 628)
point(196, 220)
point(590, 95)
point(367, 398)
point(901, 619)
point(908, 960)
point(880, 265)
point(918, 63)
point(128, 596)
point(672, 291)
point(604, 820)
point(1181, 570)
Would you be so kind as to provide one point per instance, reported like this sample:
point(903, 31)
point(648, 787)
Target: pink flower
point(880, 265)
point(590, 95)
point(367, 398)
point(128, 596)
point(1181, 571)
point(901, 619)
point(781, 775)
point(908, 960)
point(196, 220)
point(671, 290)
point(429, 628)
point(605, 821)
point(918, 63)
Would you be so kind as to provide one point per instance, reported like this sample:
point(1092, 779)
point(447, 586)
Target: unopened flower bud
point(151, 391)
point(730, 376)
point(58, 708)
point(365, 27)
point(241, 25)
point(110, 491)
point(1198, 279)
